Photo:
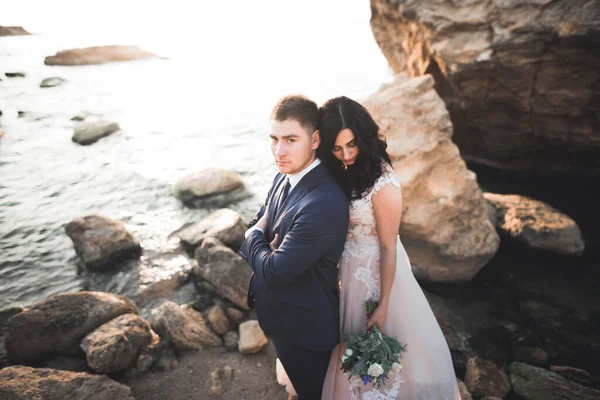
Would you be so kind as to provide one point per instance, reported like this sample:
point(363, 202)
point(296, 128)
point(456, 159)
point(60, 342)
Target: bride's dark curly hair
point(342, 113)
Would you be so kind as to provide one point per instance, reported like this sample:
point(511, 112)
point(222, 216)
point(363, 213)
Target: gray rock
point(87, 133)
point(231, 340)
point(52, 82)
point(116, 345)
point(210, 188)
point(533, 383)
point(101, 242)
point(58, 324)
point(226, 225)
point(24, 383)
point(15, 74)
point(225, 270)
point(184, 327)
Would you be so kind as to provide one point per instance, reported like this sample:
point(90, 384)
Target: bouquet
point(372, 356)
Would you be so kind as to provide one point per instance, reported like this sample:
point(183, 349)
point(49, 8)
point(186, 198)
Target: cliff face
point(519, 77)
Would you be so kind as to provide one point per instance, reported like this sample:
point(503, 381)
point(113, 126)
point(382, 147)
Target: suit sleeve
point(262, 209)
point(311, 237)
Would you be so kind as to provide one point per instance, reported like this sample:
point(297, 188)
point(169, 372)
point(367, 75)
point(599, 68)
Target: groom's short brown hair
point(298, 108)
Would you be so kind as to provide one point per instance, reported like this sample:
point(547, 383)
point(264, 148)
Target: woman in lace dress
point(374, 265)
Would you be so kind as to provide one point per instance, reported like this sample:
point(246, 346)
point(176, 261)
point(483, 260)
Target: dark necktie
point(284, 194)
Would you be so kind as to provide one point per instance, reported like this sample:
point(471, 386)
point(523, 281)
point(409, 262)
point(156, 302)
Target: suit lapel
point(274, 201)
point(306, 184)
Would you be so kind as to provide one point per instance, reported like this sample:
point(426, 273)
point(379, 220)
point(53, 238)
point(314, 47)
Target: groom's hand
point(275, 243)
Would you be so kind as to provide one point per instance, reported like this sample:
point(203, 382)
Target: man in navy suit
point(293, 246)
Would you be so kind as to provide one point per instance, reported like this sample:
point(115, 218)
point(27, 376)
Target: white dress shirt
point(294, 180)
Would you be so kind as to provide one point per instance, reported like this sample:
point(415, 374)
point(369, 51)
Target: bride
point(375, 266)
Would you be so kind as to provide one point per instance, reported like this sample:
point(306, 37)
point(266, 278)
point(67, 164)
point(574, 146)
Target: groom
point(293, 247)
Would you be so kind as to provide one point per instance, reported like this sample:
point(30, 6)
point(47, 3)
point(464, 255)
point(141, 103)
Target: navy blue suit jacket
point(295, 287)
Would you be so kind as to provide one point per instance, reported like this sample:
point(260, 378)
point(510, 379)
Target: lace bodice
point(362, 238)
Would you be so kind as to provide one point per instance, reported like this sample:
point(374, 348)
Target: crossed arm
point(310, 237)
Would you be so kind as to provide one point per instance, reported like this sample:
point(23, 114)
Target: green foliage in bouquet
point(372, 355)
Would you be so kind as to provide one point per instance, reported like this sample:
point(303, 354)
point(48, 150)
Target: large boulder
point(24, 383)
point(99, 55)
point(13, 31)
point(184, 327)
point(87, 133)
point(533, 383)
point(225, 270)
point(211, 187)
point(445, 224)
point(485, 378)
point(101, 242)
point(536, 224)
point(58, 324)
point(116, 345)
point(226, 225)
point(519, 76)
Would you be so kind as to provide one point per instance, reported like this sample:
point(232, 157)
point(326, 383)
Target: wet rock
point(533, 383)
point(98, 55)
point(24, 383)
point(52, 82)
point(226, 225)
point(211, 188)
point(445, 220)
point(225, 270)
point(536, 224)
point(485, 378)
point(531, 355)
point(87, 133)
point(252, 338)
point(101, 242)
point(577, 375)
point(58, 324)
point(116, 345)
point(184, 327)
point(5, 316)
point(15, 74)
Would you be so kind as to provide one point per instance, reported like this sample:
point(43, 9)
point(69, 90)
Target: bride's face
point(345, 148)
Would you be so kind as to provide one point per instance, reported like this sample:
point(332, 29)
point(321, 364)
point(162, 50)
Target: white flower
point(344, 358)
point(375, 370)
point(396, 367)
point(349, 352)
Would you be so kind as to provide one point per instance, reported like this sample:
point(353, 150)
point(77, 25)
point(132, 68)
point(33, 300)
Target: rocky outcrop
point(52, 82)
point(533, 383)
point(225, 270)
point(226, 225)
point(519, 77)
point(211, 188)
point(184, 327)
point(536, 224)
point(445, 224)
point(99, 55)
point(101, 242)
point(13, 31)
point(116, 345)
point(87, 133)
point(252, 338)
point(58, 324)
point(24, 383)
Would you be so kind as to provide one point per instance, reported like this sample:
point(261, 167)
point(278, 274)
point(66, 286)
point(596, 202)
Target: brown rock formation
point(519, 77)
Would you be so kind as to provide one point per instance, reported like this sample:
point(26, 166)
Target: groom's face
point(293, 147)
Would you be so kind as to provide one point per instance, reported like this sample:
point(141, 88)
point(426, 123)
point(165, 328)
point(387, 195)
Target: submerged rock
point(51, 82)
point(99, 55)
point(87, 133)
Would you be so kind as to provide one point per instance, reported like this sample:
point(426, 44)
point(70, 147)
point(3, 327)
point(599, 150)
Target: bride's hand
point(378, 317)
